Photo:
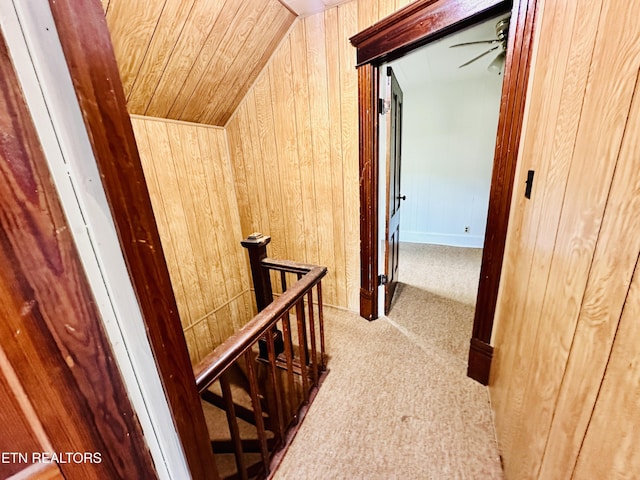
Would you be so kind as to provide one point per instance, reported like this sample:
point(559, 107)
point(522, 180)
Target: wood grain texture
point(303, 108)
point(602, 305)
point(51, 330)
point(368, 165)
point(188, 176)
point(22, 430)
point(415, 25)
point(40, 471)
point(131, 25)
point(95, 76)
point(602, 123)
point(348, 26)
point(512, 107)
point(572, 250)
point(549, 136)
point(316, 54)
point(175, 55)
point(610, 448)
point(195, 29)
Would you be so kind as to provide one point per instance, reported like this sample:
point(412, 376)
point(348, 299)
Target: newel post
point(256, 244)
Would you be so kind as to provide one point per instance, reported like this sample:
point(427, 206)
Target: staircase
point(257, 386)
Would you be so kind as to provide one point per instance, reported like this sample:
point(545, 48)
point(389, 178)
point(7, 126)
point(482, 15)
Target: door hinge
point(382, 279)
point(383, 106)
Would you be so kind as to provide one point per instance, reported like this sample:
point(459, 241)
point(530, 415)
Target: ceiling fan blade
point(474, 43)
point(479, 56)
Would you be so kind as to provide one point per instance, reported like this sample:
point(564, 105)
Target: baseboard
point(368, 306)
point(480, 356)
point(449, 239)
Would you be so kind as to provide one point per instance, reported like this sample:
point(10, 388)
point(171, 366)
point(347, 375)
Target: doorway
point(409, 28)
point(448, 141)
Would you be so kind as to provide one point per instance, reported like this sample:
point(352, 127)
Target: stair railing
point(280, 357)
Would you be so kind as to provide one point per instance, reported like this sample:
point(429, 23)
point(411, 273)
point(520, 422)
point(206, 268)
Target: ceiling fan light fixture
point(502, 32)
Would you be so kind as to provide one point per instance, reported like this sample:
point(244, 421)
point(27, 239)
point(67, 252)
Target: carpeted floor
point(397, 403)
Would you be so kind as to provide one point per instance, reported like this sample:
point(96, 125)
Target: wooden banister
point(280, 371)
point(211, 366)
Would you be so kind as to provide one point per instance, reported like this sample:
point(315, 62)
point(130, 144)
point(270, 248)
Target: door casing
point(96, 79)
point(409, 28)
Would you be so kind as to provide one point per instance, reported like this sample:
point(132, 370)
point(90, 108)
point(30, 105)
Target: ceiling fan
point(499, 43)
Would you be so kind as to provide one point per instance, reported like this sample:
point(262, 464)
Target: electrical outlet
point(466, 229)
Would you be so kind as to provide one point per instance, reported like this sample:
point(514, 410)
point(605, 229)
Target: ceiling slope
point(193, 60)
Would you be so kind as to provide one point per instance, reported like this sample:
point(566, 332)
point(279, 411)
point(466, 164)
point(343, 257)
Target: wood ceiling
point(193, 60)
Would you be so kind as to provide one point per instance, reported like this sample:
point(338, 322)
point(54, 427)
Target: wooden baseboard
point(479, 366)
point(368, 304)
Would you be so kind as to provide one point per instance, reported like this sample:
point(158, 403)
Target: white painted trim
point(452, 240)
point(35, 48)
point(382, 190)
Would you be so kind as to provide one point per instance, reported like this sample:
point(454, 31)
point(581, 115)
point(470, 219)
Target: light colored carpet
point(397, 403)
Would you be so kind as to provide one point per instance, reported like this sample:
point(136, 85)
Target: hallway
point(397, 402)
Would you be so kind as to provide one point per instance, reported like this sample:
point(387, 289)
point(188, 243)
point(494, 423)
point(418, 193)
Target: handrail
point(288, 266)
point(214, 364)
point(282, 375)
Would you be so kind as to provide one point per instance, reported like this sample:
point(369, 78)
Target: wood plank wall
point(22, 429)
point(566, 372)
point(294, 147)
point(192, 60)
point(189, 179)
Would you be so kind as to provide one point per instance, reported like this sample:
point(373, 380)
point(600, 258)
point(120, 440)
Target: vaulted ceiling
point(193, 60)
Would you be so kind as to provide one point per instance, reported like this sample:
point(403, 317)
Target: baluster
point(277, 387)
point(323, 365)
point(304, 331)
point(233, 426)
point(288, 352)
point(302, 345)
point(257, 409)
point(312, 334)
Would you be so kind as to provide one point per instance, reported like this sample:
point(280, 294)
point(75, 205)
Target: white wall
point(448, 145)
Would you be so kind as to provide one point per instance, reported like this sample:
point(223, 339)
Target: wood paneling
point(193, 60)
point(610, 448)
point(572, 250)
point(189, 179)
point(22, 431)
point(304, 109)
point(293, 139)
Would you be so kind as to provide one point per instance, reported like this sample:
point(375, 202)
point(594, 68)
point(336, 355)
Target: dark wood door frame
point(411, 27)
point(96, 79)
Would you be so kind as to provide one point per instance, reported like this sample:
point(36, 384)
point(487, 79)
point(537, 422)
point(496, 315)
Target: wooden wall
point(192, 60)
point(566, 372)
point(189, 179)
point(294, 147)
